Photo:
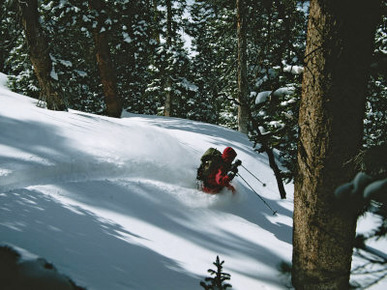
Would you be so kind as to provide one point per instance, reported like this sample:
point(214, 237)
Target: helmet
point(229, 154)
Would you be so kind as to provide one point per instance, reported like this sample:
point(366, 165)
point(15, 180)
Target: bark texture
point(243, 108)
point(39, 53)
point(339, 46)
point(105, 65)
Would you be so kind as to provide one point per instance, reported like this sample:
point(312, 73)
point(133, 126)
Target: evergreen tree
point(133, 49)
point(170, 71)
point(213, 31)
point(218, 281)
point(15, 59)
point(204, 83)
point(275, 71)
point(39, 54)
point(375, 120)
point(68, 25)
point(71, 53)
point(242, 96)
point(10, 31)
point(74, 53)
point(275, 41)
point(21, 77)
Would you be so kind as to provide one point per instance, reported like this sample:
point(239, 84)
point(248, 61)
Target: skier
point(220, 173)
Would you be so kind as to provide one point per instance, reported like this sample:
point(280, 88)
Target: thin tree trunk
point(339, 46)
point(155, 32)
point(277, 171)
point(243, 109)
point(272, 162)
point(104, 61)
point(39, 53)
point(168, 84)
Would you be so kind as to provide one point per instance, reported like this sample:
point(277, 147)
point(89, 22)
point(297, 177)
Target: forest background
point(156, 71)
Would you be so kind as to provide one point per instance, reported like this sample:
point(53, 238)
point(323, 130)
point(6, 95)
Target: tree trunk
point(104, 61)
point(339, 46)
point(273, 165)
point(39, 53)
point(155, 27)
point(243, 108)
point(168, 83)
point(277, 171)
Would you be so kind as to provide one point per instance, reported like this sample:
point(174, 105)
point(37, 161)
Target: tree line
point(305, 79)
point(104, 57)
point(242, 70)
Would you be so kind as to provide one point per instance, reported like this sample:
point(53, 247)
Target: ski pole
point(263, 184)
point(264, 201)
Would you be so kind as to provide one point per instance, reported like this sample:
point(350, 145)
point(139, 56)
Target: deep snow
point(112, 202)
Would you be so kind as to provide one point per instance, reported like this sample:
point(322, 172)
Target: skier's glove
point(237, 163)
point(234, 166)
point(231, 174)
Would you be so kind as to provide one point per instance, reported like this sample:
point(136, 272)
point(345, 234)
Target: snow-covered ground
point(112, 202)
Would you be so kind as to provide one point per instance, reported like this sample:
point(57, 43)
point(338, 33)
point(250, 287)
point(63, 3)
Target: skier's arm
point(222, 179)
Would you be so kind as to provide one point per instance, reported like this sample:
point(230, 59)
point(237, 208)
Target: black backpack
point(210, 161)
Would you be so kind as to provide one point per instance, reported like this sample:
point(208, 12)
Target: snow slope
point(112, 202)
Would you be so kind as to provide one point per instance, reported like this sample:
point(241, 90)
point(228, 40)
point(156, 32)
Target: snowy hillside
point(112, 202)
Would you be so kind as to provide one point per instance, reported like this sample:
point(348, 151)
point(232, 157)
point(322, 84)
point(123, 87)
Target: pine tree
point(243, 106)
point(275, 77)
point(375, 120)
point(212, 28)
point(133, 49)
point(275, 41)
point(10, 31)
point(170, 71)
point(68, 25)
point(218, 281)
point(71, 54)
point(14, 48)
point(204, 83)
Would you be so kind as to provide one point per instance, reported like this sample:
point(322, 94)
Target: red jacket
point(219, 179)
